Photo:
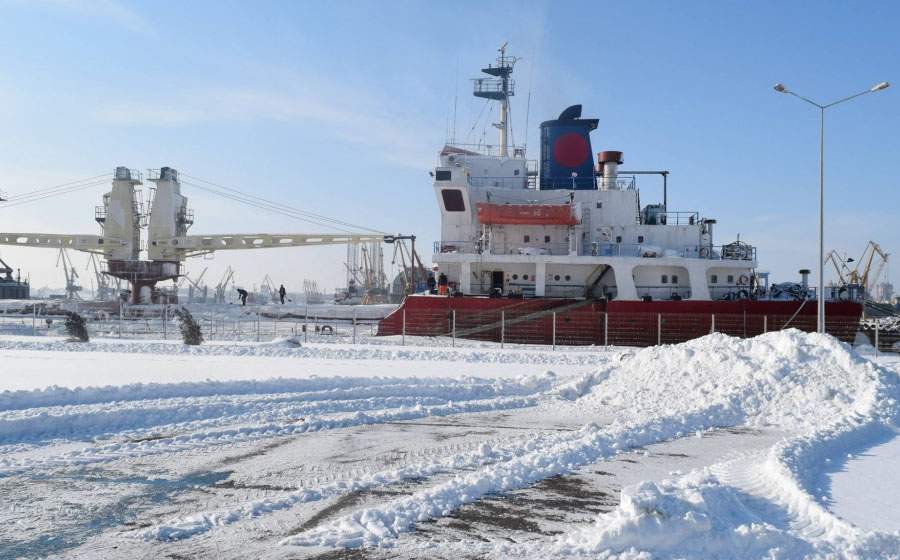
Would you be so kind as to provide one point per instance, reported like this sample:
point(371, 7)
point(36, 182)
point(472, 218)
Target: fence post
point(659, 329)
point(453, 329)
point(121, 312)
point(765, 324)
point(354, 325)
point(606, 329)
point(403, 332)
point(712, 327)
point(876, 337)
point(502, 328)
point(257, 324)
point(554, 330)
point(34, 320)
point(165, 326)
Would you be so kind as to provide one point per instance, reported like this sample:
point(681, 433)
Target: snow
point(865, 491)
point(29, 363)
point(809, 384)
point(813, 484)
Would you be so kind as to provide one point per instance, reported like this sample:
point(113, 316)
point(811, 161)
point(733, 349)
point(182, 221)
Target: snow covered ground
point(717, 448)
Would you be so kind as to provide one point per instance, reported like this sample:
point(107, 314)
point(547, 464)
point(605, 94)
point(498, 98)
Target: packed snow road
point(718, 448)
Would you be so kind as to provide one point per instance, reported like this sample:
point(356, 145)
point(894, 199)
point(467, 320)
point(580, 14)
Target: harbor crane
point(222, 286)
point(861, 274)
point(168, 243)
point(73, 289)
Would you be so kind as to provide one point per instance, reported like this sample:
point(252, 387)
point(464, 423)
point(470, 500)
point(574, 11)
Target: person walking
point(242, 293)
point(282, 293)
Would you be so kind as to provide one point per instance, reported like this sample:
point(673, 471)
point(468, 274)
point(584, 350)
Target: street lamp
point(780, 88)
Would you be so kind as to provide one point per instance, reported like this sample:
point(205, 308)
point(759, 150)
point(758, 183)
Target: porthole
point(556, 277)
point(524, 277)
point(515, 276)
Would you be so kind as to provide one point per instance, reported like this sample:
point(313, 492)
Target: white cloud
point(395, 138)
point(109, 11)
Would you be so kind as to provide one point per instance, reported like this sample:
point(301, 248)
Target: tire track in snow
point(117, 451)
point(483, 453)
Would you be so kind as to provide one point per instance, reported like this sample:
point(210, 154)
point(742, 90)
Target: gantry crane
point(168, 244)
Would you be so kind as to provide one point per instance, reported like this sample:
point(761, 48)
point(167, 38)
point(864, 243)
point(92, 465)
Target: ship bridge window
point(453, 200)
point(527, 238)
point(665, 278)
point(442, 175)
point(618, 239)
point(731, 279)
point(546, 239)
point(714, 279)
point(674, 278)
point(640, 238)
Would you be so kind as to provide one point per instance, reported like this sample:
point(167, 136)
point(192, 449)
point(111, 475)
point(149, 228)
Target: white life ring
point(704, 252)
point(743, 280)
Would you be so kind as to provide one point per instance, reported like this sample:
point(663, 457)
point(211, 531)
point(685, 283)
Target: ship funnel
point(804, 278)
point(566, 156)
point(608, 166)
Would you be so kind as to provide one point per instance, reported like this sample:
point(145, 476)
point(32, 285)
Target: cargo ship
point(561, 251)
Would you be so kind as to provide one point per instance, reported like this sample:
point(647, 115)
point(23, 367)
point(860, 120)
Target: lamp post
point(781, 88)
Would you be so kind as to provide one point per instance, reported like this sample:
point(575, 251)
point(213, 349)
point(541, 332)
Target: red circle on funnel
point(571, 149)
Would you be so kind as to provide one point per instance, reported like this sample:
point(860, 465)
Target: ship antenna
point(455, 101)
point(528, 102)
point(499, 89)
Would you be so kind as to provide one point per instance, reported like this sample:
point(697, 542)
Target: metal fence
point(574, 327)
point(587, 327)
point(155, 322)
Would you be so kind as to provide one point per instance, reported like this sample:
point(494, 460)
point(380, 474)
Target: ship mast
point(499, 89)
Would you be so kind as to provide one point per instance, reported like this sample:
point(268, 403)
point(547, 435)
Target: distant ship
point(560, 250)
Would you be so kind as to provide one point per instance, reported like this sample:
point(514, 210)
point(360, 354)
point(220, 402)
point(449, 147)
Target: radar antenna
point(500, 88)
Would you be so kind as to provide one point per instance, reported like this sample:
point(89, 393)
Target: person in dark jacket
point(242, 293)
point(282, 293)
point(443, 282)
point(431, 283)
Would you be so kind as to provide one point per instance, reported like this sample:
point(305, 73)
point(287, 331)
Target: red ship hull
point(618, 323)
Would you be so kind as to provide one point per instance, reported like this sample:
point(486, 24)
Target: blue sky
point(340, 108)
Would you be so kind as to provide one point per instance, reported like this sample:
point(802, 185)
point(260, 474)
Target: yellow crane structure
point(865, 271)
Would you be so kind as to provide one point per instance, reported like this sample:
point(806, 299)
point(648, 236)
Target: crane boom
point(192, 245)
point(89, 243)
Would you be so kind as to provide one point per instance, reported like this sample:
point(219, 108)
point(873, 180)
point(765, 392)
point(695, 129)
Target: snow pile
point(812, 386)
point(696, 516)
point(789, 379)
point(806, 384)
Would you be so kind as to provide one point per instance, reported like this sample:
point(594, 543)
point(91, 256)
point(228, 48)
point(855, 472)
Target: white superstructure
point(505, 230)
